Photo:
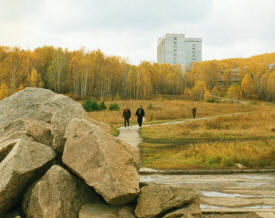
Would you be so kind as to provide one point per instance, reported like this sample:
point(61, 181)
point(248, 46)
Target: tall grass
point(158, 110)
point(252, 124)
point(247, 138)
point(255, 154)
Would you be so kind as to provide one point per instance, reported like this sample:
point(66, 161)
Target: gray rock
point(58, 194)
point(38, 129)
point(105, 126)
point(103, 162)
point(43, 105)
point(155, 200)
point(6, 144)
point(105, 211)
point(26, 161)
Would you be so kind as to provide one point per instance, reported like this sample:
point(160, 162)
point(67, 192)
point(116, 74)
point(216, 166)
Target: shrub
point(211, 100)
point(102, 106)
point(150, 107)
point(228, 162)
point(114, 107)
point(89, 105)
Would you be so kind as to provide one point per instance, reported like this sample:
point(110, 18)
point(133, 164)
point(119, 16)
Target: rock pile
point(55, 162)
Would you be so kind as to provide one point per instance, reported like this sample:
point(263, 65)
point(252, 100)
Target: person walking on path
point(140, 114)
point(126, 115)
point(194, 112)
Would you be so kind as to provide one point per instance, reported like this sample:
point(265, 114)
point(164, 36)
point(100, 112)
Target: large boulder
point(26, 161)
point(106, 127)
point(58, 194)
point(155, 200)
point(43, 105)
point(105, 211)
point(105, 163)
point(39, 130)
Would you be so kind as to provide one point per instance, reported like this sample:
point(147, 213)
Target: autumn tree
point(56, 72)
point(188, 94)
point(271, 86)
point(199, 90)
point(42, 58)
point(248, 86)
point(234, 92)
point(34, 79)
point(85, 74)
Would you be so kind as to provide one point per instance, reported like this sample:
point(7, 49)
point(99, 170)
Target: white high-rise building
point(176, 49)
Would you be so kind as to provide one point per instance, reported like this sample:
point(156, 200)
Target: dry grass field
point(164, 110)
point(247, 138)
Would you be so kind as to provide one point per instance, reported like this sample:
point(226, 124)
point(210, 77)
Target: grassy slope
point(222, 142)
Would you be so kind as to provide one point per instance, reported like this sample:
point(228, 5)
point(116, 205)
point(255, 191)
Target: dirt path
point(131, 135)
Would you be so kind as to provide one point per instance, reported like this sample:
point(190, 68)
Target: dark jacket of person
point(126, 114)
point(194, 111)
point(140, 112)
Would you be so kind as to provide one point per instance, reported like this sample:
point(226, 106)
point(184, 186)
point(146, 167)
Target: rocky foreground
point(55, 162)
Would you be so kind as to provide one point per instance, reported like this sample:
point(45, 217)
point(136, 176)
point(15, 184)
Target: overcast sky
point(131, 28)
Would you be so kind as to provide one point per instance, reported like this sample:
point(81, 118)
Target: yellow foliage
point(4, 91)
point(248, 86)
point(92, 74)
point(34, 78)
point(199, 90)
point(234, 92)
point(21, 87)
point(188, 94)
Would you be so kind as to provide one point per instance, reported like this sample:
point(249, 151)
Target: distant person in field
point(140, 114)
point(126, 115)
point(194, 112)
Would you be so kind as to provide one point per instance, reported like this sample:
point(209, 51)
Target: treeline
point(83, 75)
point(252, 77)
